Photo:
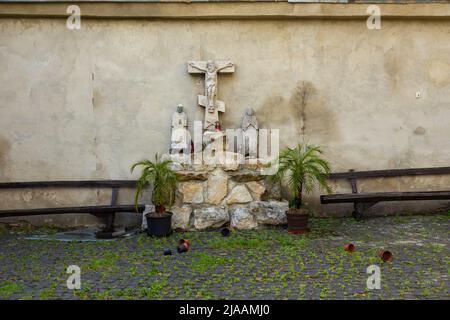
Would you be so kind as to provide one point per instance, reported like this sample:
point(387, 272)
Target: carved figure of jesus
point(209, 100)
point(210, 80)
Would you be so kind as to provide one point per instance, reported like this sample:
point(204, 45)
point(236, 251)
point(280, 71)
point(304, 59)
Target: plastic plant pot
point(159, 226)
point(225, 232)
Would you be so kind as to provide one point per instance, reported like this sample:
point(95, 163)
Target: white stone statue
point(250, 133)
point(249, 120)
point(212, 106)
point(179, 140)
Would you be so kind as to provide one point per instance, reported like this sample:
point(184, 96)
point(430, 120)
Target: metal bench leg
point(108, 231)
point(360, 208)
point(357, 213)
point(111, 217)
point(109, 223)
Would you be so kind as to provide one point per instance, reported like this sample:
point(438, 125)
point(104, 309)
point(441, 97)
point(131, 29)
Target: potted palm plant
point(302, 168)
point(163, 179)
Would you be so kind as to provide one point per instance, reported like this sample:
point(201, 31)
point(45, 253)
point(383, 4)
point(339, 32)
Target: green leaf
point(302, 168)
point(160, 176)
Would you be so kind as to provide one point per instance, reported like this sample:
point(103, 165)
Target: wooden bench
point(107, 212)
point(364, 200)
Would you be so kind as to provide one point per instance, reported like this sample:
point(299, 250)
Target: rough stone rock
point(242, 219)
point(252, 166)
point(239, 194)
point(210, 217)
point(181, 216)
point(246, 175)
point(231, 185)
point(176, 166)
point(270, 212)
point(202, 167)
point(217, 186)
point(192, 175)
point(272, 192)
point(229, 161)
point(256, 188)
point(234, 164)
point(192, 191)
point(179, 161)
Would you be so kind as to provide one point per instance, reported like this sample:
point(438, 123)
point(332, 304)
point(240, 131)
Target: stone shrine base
point(212, 196)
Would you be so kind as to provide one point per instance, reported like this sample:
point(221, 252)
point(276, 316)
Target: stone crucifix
point(212, 105)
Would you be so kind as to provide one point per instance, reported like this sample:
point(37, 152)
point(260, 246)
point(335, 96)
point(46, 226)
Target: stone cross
point(212, 105)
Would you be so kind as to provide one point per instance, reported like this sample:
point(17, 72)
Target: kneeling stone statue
point(250, 133)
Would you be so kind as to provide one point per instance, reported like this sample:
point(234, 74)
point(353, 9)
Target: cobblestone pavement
point(259, 264)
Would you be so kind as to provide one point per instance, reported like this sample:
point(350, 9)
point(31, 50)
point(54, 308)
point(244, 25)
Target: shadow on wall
point(305, 114)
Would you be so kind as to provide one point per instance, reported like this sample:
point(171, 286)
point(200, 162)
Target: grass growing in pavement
point(203, 262)
point(262, 239)
point(8, 288)
point(154, 290)
point(257, 264)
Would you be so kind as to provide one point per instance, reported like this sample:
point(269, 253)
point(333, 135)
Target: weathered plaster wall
point(85, 104)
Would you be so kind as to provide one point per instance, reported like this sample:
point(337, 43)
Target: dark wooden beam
point(389, 173)
point(70, 184)
point(385, 196)
point(97, 210)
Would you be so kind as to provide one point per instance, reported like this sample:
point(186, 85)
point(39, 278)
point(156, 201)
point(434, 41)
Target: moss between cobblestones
point(258, 264)
point(8, 288)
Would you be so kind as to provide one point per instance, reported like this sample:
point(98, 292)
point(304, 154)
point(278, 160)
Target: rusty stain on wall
point(420, 131)
point(299, 99)
point(316, 117)
point(5, 147)
point(439, 73)
point(392, 63)
point(266, 116)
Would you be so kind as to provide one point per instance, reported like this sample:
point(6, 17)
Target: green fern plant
point(302, 168)
point(163, 179)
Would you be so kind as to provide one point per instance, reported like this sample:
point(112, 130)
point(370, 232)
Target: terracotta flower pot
point(297, 220)
point(386, 255)
point(350, 247)
point(184, 241)
point(183, 246)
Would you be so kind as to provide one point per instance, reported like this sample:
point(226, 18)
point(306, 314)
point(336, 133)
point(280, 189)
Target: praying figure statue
point(250, 133)
point(180, 136)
